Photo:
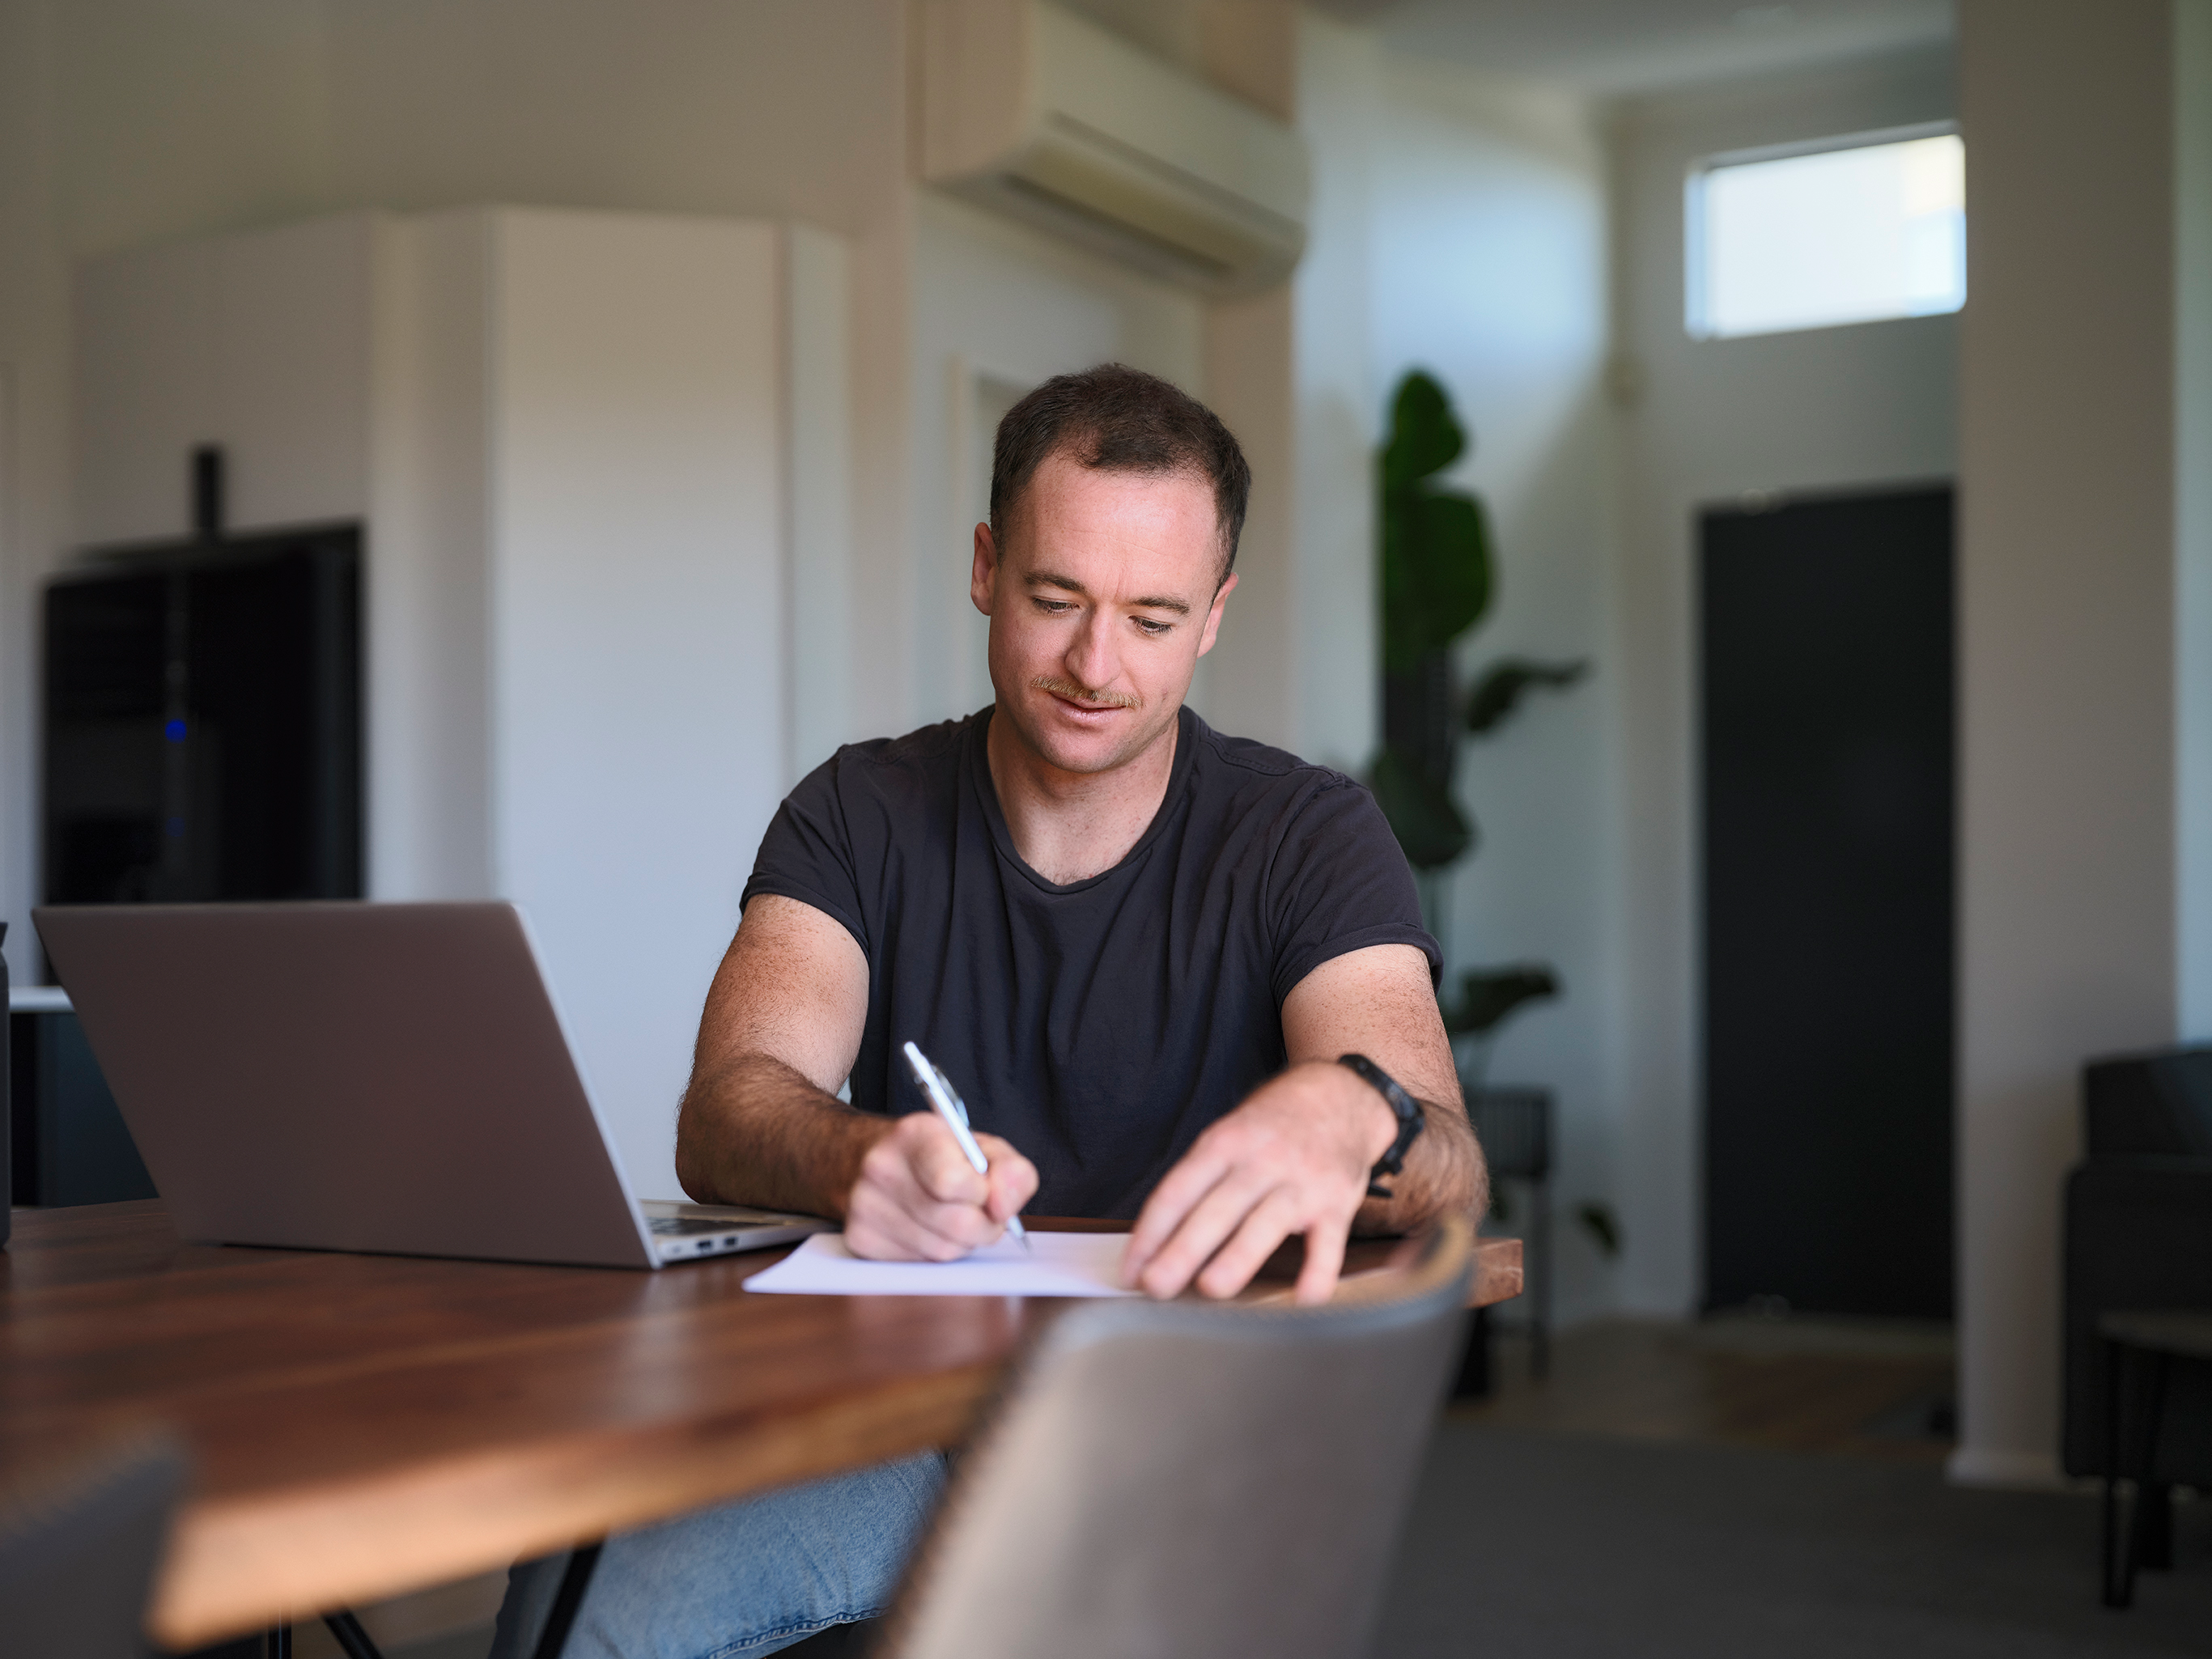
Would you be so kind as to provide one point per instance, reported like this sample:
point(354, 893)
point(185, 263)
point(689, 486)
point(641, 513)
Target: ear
point(983, 574)
point(1213, 614)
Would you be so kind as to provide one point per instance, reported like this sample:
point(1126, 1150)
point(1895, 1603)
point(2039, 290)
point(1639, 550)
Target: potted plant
point(1438, 582)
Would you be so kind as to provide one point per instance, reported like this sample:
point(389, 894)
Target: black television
point(202, 727)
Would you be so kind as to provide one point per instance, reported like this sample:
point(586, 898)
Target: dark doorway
point(1828, 756)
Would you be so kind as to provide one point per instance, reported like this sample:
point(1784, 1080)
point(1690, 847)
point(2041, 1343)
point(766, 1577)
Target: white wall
point(2192, 526)
point(637, 453)
point(2066, 605)
point(137, 120)
point(262, 343)
point(1705, 421)
point(34, 487)
point(1459, 226)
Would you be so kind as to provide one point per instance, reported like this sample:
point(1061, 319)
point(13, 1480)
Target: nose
point(1091, 661)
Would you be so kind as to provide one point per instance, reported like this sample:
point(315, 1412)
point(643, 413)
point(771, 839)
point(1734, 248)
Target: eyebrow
point(1148, 602)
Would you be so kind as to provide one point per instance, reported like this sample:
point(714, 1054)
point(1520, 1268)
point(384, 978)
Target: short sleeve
point(1339, 881)
point(807, 854)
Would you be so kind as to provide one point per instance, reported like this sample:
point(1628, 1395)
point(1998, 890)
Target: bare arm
point(760, 1125)
point(1294, 1157)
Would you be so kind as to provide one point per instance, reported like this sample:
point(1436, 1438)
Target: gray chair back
point(78, 1549)
point(1164, 1479)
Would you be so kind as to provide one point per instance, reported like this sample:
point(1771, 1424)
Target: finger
point(1271, 1221)
point(934, 1232)
point(1324, 1261)
point(1202, 1169)
point(942, 1170)
point(892, 1210)
point(1013, 1178)
point(879, 1230)
point(1204, 1230)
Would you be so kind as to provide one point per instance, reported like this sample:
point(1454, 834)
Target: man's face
point(1102, 601)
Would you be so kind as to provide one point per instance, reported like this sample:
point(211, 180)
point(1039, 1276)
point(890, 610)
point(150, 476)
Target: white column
point(2067, 681)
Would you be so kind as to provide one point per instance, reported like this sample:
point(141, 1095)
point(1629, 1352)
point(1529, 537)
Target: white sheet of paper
point(1059, 1264)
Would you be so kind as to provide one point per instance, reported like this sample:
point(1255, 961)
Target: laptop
point(386, 1077)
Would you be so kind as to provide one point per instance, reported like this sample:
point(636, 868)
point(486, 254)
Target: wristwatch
point(1411, 1120)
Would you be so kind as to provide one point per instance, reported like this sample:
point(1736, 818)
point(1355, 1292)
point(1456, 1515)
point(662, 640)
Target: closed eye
point(1154, 626)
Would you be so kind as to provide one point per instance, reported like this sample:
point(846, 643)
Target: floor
point(1874, 1389)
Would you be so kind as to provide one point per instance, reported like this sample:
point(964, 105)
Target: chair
point(1514, 1128)
point(2139, 1239)
point(1163, 1479)
point(78, 1549)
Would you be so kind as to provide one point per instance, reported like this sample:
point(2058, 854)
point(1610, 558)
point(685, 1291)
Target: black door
point(1828, 758)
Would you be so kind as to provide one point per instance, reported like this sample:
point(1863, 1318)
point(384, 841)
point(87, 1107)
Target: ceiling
point(1608, 47)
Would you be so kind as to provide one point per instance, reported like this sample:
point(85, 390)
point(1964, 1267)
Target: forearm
point(755, 1131)
point(1445, 1171)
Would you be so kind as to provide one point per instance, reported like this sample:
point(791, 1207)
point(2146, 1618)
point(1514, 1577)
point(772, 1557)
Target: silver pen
point(950, 1107)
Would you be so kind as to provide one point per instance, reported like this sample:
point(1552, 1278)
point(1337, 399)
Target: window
point(1846, 231)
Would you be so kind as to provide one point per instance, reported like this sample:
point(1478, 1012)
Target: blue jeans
point(744, 1579)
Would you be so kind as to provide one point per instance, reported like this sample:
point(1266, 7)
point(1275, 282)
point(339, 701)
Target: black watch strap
point(1411, 1120)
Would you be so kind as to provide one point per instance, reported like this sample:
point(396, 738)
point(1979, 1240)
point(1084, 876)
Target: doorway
point(1827, 722)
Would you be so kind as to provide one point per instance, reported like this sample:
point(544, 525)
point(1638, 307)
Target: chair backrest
point(2149, 1105)
point(1178, 1479)
point(78, 1548)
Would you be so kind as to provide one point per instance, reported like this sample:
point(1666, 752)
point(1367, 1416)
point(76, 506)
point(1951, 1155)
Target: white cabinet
point(590, 450)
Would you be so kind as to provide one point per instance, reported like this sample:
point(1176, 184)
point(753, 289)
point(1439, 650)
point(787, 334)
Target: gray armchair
point(1171, 1480)
point(2139, 1238)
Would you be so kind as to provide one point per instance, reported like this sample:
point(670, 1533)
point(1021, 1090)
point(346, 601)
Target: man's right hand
point(918, 1199)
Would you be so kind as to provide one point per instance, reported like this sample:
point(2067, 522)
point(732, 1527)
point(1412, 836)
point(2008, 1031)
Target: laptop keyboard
point(685, 1226)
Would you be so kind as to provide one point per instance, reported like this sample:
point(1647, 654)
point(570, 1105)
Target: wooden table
point(364, 1426)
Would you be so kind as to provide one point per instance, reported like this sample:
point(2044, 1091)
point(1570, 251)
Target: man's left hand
point(1293, 1158)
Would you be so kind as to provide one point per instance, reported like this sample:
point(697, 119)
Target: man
point(1138, 948)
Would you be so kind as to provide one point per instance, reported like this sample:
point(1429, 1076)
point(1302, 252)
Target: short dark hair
point(1119, 419)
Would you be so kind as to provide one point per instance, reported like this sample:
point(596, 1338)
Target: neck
point(1070, 826)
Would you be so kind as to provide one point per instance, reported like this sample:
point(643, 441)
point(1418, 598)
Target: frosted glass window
point(1851, 232)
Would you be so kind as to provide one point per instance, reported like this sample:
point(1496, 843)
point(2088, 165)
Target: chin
point(1080, 751)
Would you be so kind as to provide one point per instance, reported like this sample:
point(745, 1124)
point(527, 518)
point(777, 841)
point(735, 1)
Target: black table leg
point(2117, 1582)
point(350, 1635)
point(2155, 1525)
point(2150, 1404)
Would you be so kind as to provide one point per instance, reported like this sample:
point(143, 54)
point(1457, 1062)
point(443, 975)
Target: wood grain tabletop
point(363, 1425)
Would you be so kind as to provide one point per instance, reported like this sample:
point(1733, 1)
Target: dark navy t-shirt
point(1102, 1025)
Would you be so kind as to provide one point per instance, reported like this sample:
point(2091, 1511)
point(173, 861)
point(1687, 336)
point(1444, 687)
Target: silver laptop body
point(390, 1077)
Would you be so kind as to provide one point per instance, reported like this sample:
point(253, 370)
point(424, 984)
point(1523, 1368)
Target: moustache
point(1080, 694)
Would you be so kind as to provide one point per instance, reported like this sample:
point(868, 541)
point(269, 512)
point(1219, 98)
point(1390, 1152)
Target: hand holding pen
point(954, 1110)
point(919, 1196)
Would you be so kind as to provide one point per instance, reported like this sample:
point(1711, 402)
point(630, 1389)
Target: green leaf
point(1499, 691)
point(1436, 572)
point(1424, 436)
point(1597, 1220)
point(1421, 813)
point(1487, 995)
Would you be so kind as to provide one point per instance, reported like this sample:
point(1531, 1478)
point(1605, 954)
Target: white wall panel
point(2067, 684)
point(427, 603)
point(637, 617)
point(259, 343)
